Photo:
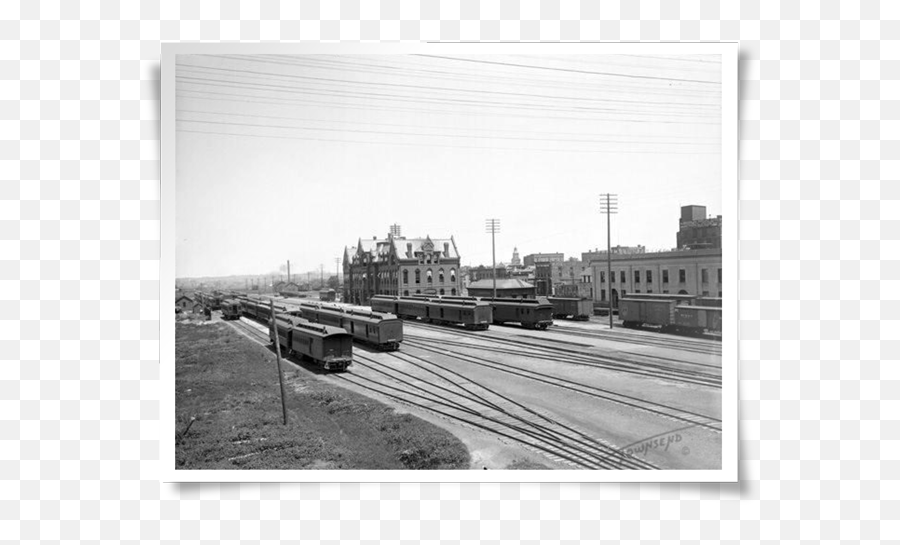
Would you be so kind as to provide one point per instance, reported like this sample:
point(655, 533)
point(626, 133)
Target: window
point(406, 293)
point(441, 276)
point(418, 278)
point(681, 276)
point(704, 276)
point(602, 277)
point(665, 276)
point(452, 291)
point(637, 291)
point(405, 277)
point(418, 291)
point(453, 275)
point(637, 277)
point(720, 276)
point(428, 277)
point(622, 276)
point(705, 293)
point(649, 291)
point(603, 295)
point(720, 294)
point(442, 293)
point(665, 291)
point(649, 277)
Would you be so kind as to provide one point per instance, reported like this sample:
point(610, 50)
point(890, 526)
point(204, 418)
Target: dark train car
point(383, 330)
point(260, 309)
point(531, 313)
point(231, 309)
point(698, 319)
point(651, 311)
point(470, 313)
point(474, 315)
point(704, 301)
point(571, 308)
point(329, 347)
point(385, 303)
point(326, 295)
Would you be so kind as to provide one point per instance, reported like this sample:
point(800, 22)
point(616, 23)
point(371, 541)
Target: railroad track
point(628, 366)
point(696, 346)
point(676, 414)
point(567, 355)
point(445, 392)
point(249, 331)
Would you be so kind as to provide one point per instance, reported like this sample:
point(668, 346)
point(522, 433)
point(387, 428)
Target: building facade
point(694, 272)
point(398, 265)
point(531, 260)
point(484, 273)
point(508, 287)
point(589, 256)
point(570, 278)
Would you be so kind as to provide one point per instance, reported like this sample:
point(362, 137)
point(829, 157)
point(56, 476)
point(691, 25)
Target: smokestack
point(289, 270)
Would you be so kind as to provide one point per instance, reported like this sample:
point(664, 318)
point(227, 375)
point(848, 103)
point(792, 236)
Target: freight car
point(531, 313)
point(231, 309)
point(571, 308)
point(469, 313)
point(379, 329)
point(329, 347)
point(672, 315)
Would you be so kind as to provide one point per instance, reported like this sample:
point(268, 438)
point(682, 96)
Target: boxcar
point(698, 319)
point(635, 312)
point(531, 313)
point(329, 347)
point(571, 308)
point(231, 309)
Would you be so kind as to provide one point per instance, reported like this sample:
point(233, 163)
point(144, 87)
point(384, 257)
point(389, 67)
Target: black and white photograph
point(514, 258)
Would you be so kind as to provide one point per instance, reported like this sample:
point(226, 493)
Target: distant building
point(397, 265)
point(184, 302)
point(589, 256)
point(696, 231)
point(695, 272)
point(508, 287)
point(570, 278)
point(481, 273)
point(531, 260)
point(515, 261)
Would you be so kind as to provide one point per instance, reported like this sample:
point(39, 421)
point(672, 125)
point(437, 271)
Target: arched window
point(428, 276)
point(442, 291)
point(418, 291)
point(441, 276)
point(405, 276)
point(452, 291)
point(418, 277)
point(406, 293)
point(453, 275)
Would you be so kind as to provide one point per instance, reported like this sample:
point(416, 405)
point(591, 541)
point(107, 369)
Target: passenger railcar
point(329, 347)
point(383, 330)
point(471, 314)
point(571, 308)
point(531, 313)
point(231, 309)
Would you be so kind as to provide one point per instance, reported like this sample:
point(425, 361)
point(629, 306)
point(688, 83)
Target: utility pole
point(609, 205)
point(278, 354)
point(492, 226)
point(322, 275)
point(289, 271)
point(337, 270)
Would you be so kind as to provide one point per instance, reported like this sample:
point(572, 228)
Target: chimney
point(409, 249)
point(446, 249)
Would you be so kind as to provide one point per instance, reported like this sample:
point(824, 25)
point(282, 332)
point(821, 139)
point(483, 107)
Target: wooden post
point(278, 354)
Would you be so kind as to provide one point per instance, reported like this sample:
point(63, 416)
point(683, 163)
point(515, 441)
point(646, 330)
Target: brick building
point(397, 265)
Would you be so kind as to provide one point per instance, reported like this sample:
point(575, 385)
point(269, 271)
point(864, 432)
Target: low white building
point(695, 272)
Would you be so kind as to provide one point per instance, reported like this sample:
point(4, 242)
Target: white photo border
point(730, 211)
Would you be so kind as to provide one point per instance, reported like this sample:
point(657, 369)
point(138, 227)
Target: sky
point(295, 157)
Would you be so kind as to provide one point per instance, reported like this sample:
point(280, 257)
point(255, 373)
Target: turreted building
point(397, 265)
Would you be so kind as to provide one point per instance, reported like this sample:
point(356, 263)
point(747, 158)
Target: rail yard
point(575, 395)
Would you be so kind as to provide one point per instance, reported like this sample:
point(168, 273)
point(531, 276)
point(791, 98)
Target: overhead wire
point(285, 101)
point(441, 89)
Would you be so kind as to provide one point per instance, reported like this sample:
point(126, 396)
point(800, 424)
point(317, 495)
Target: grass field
point(229, 386)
